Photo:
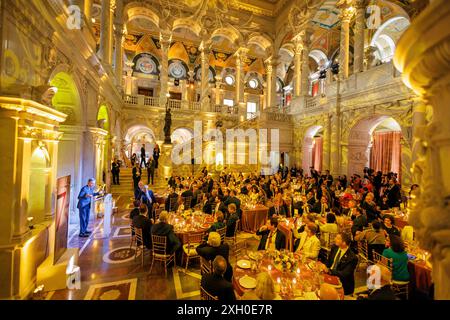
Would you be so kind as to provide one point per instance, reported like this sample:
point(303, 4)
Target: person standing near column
point(84, 206)
point(143, 156)
point(115, 170)
point(156, 154)
point(137, 171)
point(150, 170)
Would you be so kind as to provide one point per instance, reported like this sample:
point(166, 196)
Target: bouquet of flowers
point(186, 214)
point(285, 261)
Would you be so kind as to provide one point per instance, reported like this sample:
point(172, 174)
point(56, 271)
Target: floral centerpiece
point(284, 261)
point(186, 214)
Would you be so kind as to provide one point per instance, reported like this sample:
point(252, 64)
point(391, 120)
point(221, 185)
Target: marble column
point(298, 68)
point(118, 37)
point(218, 90)
point(269, 71)
point(422, 57)
point(305, 63)
point(165, 39)
point(344, 51)
point(204, 92)
point(358, 47)
point(326, 151)
point(241, 55)
point(88, 10)
point(104, 51)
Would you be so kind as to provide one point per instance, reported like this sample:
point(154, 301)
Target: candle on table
point(269, 267)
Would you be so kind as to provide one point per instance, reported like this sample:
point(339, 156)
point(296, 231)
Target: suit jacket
point(273, 211)
point(280, 239)
point(145, 224)
point(210, 253)
point(174, 202)
point(217, 286)
point(359, 223)
point(394, 196)
point(231, 224)
point(234, 200)
point(136, 176)
point(371, 211)
point(344, 269)
point(188, 193)
point(290, 211)
point(310, 247)
point(384, 293)
point(83, 199)
point(166, 230)
point(317, 208)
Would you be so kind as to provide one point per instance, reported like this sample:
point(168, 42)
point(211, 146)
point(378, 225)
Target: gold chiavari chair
point(140, 247)
point(205, 295)
point(380, 259)
point(133, 236)
point(189, 249)
point(401, 288)
point(173, 204)
point(240, 248)
point(156, 214)
point(159, 244)
point(187, 202)
point(233, 238)
point(363, 252)
point(205, 266)
point(222, 232)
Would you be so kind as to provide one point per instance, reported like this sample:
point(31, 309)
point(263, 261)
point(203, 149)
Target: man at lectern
point(84, 206)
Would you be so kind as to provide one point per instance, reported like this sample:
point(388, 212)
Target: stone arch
point(135, 136)
point(387, 35)
point(230, 34)
point(359, 141)
point(67, 98)
point(262, 41)
point(307, 146)
point(135, 11)
point(103, 118)
point(189, 24)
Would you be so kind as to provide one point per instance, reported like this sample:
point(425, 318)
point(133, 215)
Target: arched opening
point(39, 183)
point(103, 118)
point(136, 137)
point(312, 149)
point(386, 37)
point(374, 142)
point(66, 98)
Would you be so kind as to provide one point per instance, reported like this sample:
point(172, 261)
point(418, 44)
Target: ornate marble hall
point(343, 88)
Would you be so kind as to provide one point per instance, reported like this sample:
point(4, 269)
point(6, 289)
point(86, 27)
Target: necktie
point(336, 260)
point(149, 198)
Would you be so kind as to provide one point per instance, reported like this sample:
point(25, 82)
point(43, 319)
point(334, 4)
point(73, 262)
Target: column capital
point(347, 9)
point(361, 4)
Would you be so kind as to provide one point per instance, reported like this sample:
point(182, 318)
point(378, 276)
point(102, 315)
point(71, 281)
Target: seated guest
point(215, 284)
point(399, 257)
point(209, 203)
point(171, 201)
point(383, 203)
point(373, 236)
point(146, 196)
point(142, 222)
point(213, 248)
point(271, 238)
point(265, 289)
point(370, 207)
point(330, 226)
point(289, 206)
point(342, 262)
point(218, 224)
point(233, 199)
point(135, 211)
point(277, 208)
point(388, 226)
point(164, 229)
point(188, 193)
point(309, 245)
point(382, 292)
point(321, 207)
point(231, 220)
point(359, 222)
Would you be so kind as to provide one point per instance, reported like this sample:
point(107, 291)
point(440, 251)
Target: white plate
point(254, 255)
point(247, 282)
point(244, 264)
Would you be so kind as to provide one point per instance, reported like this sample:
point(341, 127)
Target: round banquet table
point(254, 218)
point(183, 232)
point(308, 280)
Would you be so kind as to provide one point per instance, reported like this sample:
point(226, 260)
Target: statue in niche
point(167, 125)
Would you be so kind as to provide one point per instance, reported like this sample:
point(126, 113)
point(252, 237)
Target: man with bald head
point(215, 284)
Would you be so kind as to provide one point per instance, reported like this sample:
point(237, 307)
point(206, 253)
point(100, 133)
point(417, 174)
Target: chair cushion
point(190, 249)
point(400, 283)
point(161, 256)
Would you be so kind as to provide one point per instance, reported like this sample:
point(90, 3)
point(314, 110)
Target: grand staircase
point(126, 182)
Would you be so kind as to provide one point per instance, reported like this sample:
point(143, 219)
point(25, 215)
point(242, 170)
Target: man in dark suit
point(188, 193)
point(115, 170)
point(277, 210)
point(342, 262)
point(84, 206)
point(144, 223)
point(213, 248)
point(171, 201)
point(215, 284)
point(137, 172)
point(233, 199)
point(231, 220)
point(151, 170)
point(321, 207)
point(393, 194)
point(143, 156)
point(146, 196)
point(164, 229)
point(359, 222)
point(271, 238)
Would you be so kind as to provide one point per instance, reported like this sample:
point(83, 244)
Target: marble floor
point(109, 270)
